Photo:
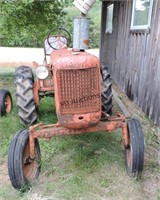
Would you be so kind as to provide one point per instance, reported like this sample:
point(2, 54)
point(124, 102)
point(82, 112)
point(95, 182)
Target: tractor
point(83, 97)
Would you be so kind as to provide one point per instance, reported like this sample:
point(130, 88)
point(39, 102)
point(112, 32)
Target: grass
point(81, 167)
point(67, 160)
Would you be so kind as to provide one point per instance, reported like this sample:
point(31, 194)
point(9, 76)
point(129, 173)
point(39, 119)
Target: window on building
point(141, 14)
point(109, 18)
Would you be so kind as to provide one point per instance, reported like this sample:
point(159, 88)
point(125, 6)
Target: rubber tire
point(15, 161)
point(135, 149)
point(106, 91)
point(3, 95)
point(25, 98)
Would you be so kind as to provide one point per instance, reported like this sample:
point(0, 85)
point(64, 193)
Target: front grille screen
point(78, 90)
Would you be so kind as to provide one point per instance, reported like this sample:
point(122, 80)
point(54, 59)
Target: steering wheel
point(58, 38)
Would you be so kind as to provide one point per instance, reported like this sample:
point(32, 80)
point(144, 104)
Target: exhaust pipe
point(81, 33)
point(81, 25)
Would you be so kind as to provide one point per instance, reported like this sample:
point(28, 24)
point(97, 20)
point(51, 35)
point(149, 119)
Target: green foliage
point(95, 25)
point(27, 22)
point(158, 195)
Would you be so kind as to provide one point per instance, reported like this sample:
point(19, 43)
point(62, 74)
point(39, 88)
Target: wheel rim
point(8, 104)
point(128, 156)
point(30, 166)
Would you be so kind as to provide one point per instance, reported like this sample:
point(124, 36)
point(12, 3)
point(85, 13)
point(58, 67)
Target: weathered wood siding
point(134, 58)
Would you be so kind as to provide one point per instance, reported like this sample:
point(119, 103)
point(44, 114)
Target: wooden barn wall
point(133, 59)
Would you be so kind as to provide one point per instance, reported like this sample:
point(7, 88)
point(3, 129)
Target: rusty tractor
point(78, 99)
point(5, 102)
point(30, 90)
point(83, 99)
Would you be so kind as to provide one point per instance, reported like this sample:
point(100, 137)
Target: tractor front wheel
point(21, 168)
point(25, 98)
point(134, 152)
point(5, 102)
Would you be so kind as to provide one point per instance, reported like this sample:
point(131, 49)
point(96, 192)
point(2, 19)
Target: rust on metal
point(8, 104)
point(77, 88)
point(128, 152)
point(36, 93)
point(48, 131)
point(86, 42)
point(32, 145)
point(32, 139)
point(126, 138)
point(30, 164)
point(78, 121)
point(56, 131)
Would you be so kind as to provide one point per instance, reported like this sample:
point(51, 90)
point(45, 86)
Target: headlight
point(42, 72)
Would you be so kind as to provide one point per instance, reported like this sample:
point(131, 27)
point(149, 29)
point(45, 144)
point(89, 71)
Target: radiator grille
point(79, 90)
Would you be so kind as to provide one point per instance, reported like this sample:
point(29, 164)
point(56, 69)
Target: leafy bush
point(26, 22)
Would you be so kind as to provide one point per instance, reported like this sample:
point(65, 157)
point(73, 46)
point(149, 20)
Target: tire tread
point(25, 98)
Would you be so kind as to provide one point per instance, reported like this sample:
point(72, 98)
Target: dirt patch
point(4, 179)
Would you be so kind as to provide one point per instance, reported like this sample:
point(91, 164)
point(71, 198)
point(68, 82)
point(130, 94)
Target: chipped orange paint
point(48, 131)
point(77, 88)
point(36, 93)
point(86, 42)
point(8, 104)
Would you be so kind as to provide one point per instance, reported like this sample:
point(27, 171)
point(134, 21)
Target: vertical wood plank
point(134, 58)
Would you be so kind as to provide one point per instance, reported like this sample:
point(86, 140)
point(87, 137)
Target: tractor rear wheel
point(106, 88)
point(5, 102)
point(134, 153)
point(25, 98)
point(21, 168)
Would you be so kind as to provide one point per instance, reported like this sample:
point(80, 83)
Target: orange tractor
point(83, 98)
